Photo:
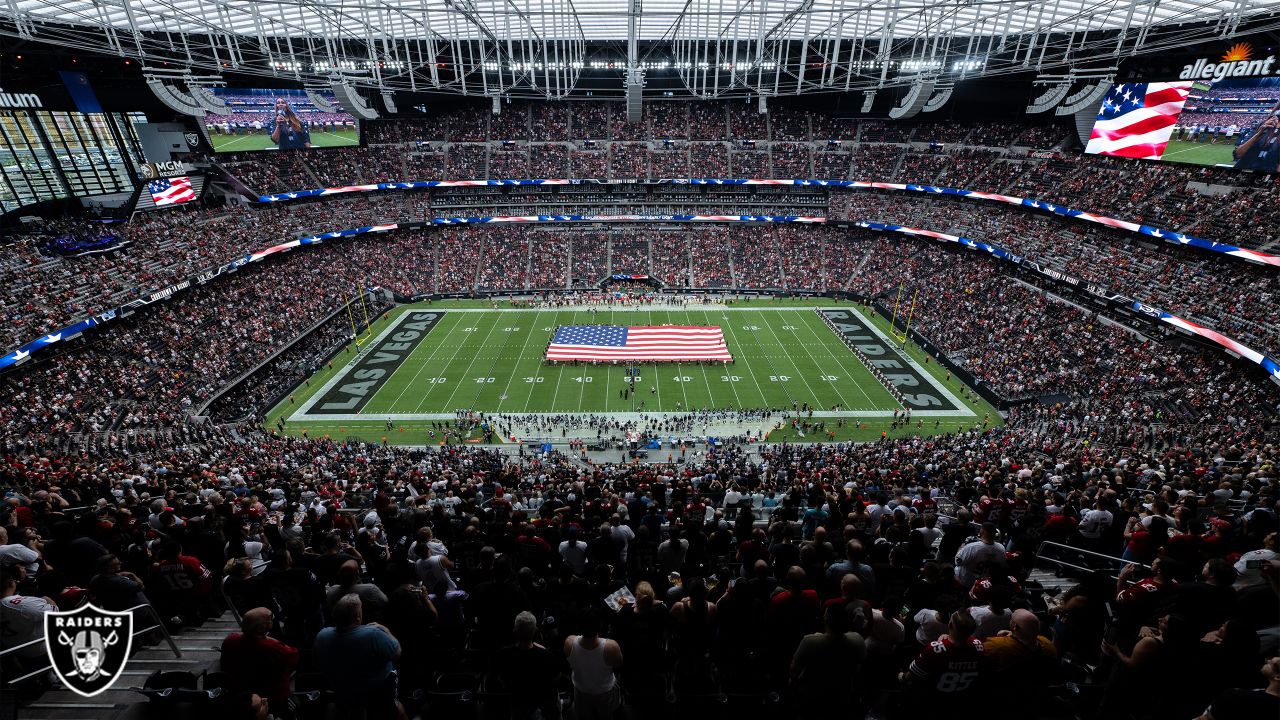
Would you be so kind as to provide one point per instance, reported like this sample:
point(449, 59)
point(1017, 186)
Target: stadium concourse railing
point(146, 611)
point(1108, 298)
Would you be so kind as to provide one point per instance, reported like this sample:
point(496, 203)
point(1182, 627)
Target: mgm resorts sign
point(151, 171)
point(1235, 62)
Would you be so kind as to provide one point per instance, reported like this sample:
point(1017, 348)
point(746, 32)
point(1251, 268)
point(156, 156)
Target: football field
point(262, 141)
point(1199, 153)
point(425, 363)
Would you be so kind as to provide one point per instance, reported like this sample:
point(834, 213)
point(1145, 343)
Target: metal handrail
point(147, 610)
point(1062, 563)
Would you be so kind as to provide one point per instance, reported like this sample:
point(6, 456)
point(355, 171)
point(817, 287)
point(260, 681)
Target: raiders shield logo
point(193, 139)
point(88, 647)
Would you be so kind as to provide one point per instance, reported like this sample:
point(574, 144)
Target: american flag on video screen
point(673, 343)
point(1137, 119)
point(171, 191)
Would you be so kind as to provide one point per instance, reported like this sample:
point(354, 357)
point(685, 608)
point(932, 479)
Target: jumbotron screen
point(274, 119)
point(1227, 123)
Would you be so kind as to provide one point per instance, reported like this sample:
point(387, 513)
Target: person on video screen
point(287, 130)
point(1260, 150)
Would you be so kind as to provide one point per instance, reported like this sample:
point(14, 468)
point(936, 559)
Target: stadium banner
point(411, 185)
point(943, 237)
point(500, 219)
point(1163, 235)
point(71, 331)
point(1230, 345)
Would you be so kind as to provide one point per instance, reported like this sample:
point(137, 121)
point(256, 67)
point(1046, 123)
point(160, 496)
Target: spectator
point(358, 661)
point(527, 671)
point(826, 666)
point(594, 662)
point(259, 664)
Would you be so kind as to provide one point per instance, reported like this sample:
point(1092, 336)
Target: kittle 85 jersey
point(947, 666)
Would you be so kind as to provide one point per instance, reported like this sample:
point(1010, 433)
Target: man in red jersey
point(992, 508)
point(181, 582)
point(924, 502)
point(1138, 603)
point(947, 671)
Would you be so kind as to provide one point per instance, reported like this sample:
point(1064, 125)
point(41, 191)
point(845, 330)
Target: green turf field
point(1199, 153)
point(262, 141)
point(423, 363)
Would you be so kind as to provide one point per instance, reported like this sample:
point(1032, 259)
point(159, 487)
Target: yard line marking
point(480, 390)
point(445, 367)
point(555, 323)
point(679, 370)
point(519, 358)
point(817, 402)
point(413, 381)
point(458, 383)
point(750, 371)
point(711, 396)
point(843, 367)
point(573, 320)
point(816, 364)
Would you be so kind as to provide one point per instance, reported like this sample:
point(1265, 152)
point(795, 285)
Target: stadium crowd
point(892, 577)
point(813, 579)
point(1232, 297)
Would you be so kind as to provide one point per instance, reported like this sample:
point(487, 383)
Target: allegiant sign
point(1202, 69)
point(1235, 62)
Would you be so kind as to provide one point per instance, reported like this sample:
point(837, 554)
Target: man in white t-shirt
point(977, 559)
point(733, 496)
point(1094, 524)
point(435, 570)
point(17, 553)
point(21, 616)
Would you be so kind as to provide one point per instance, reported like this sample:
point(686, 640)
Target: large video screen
point(274, 119)
point(1229, 123)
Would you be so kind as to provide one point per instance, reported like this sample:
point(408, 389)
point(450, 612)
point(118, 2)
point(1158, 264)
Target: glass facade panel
point(26, 164)
point(81, 157)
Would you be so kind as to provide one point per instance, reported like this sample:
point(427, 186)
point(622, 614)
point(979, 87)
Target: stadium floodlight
point(1050, 98)
point(389, 101)
point(210, 102)
point(351, 100)
point(321, 102)
point(174, 99)
point(868, 99)
point(1085, 98)
point(940, 97)
point(913, 102)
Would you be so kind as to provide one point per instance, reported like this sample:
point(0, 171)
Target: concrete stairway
point(199, 648)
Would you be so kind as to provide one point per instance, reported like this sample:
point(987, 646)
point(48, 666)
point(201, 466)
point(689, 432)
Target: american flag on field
point(1137, 119)
point(171, 191)
point(673, 343)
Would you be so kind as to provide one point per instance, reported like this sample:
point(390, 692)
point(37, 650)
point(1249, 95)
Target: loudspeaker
point(939, 99)
point(1049, 99)
point(1085, 98)
point(914, 100)
point(352, 102)
point(175, 100)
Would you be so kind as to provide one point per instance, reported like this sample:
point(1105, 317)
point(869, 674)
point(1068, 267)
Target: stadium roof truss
point(716, 47)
